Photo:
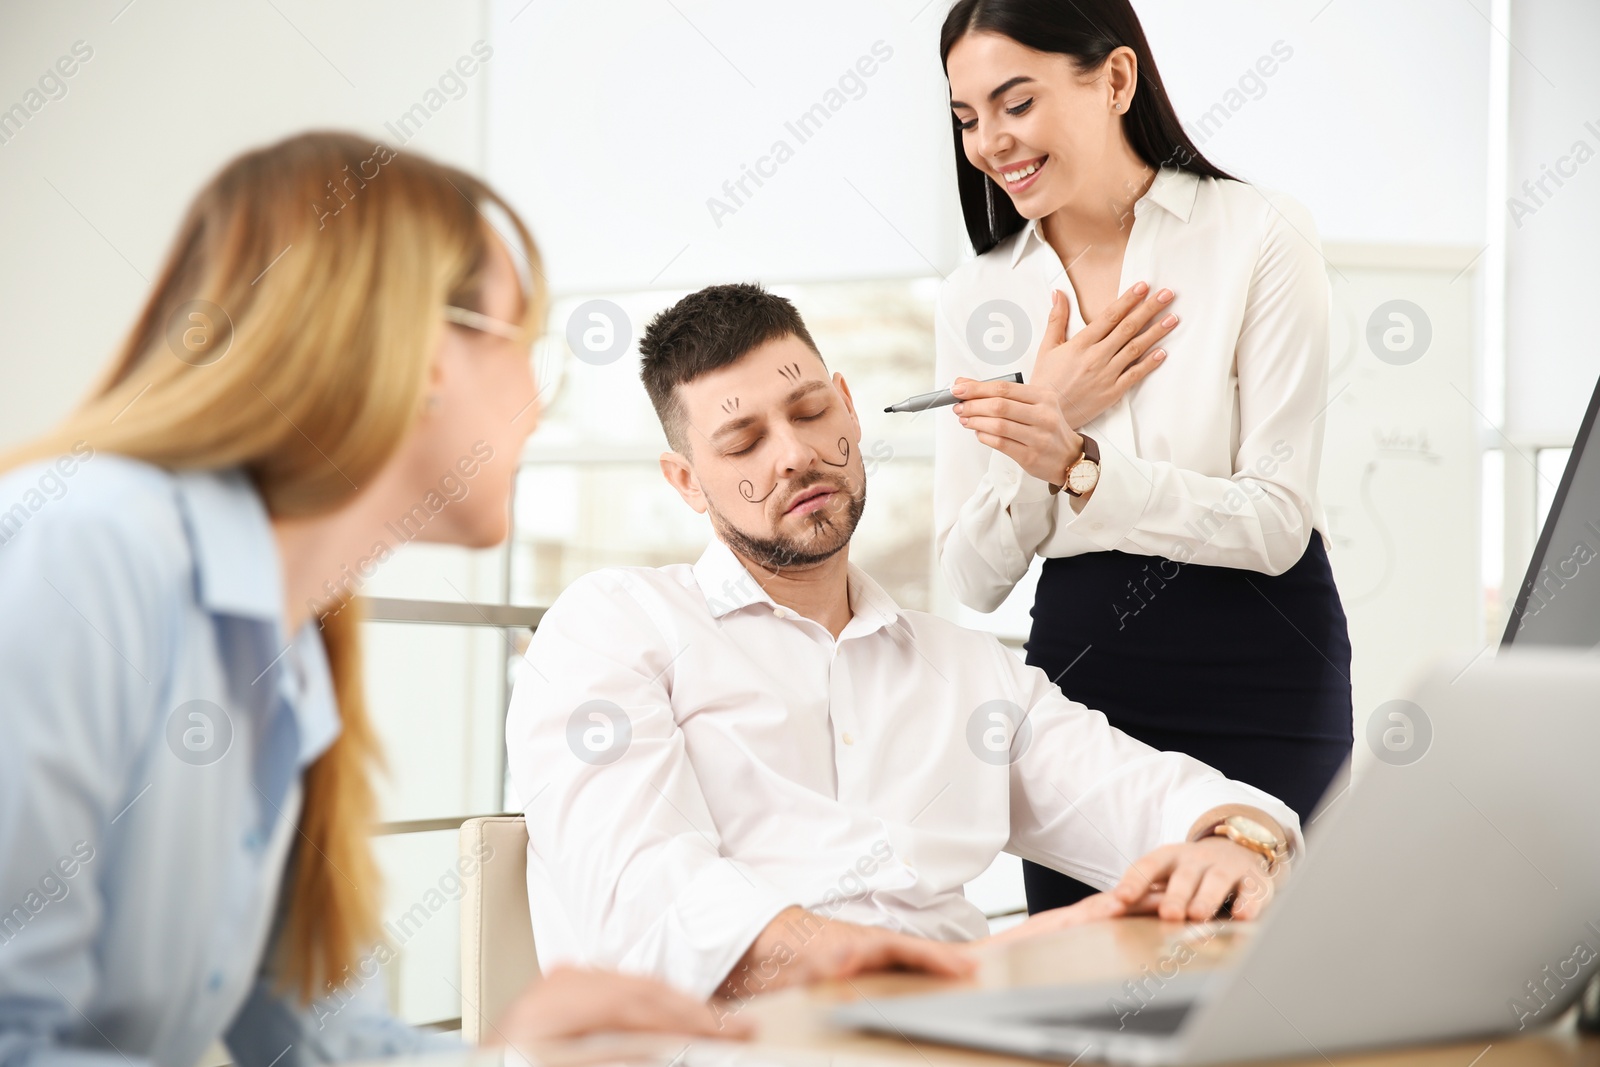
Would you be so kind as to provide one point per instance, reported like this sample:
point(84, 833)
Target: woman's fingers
point(1133, 352)
point(995, 407)
point(1151, 313)
point(1015, 449)
point(1055, 327)
point(1018, 433)
point(977, 389)
point(1117, 313)
point(1141, 369)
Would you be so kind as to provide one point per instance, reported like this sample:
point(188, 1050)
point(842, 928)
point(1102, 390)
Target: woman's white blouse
point(1211, 459)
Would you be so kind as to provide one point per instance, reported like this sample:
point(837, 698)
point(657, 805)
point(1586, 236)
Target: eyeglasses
point(474, 320)
point(548, 368)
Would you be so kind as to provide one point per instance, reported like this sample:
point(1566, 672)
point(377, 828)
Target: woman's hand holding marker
point(1074, 380)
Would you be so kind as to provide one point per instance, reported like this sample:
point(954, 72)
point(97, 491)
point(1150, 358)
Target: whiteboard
point(1402, 462)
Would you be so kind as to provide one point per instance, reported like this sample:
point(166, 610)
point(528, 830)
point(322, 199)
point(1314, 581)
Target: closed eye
point(747, 449)
point(1016, 109)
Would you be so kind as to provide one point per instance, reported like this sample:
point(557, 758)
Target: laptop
point(1451, 892)
point(1558, 602)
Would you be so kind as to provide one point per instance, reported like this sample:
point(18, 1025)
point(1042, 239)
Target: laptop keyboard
point(1157, 1020)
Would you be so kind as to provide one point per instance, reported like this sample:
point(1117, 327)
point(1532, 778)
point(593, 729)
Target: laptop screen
point(1559, 601)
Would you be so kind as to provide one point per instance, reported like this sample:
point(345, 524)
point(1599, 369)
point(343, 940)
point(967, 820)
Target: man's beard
point(826, 533)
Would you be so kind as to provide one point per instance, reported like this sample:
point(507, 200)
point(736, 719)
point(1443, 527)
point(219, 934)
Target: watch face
point(1253, 830)
point(1083, 476)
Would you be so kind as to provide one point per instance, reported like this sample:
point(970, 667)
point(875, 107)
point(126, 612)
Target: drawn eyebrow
point(999, 90)
point(733, 426)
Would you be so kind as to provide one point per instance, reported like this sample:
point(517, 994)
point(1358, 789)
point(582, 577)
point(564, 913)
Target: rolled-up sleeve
point(619, 830)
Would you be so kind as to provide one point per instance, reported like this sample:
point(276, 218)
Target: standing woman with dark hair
point(1163, 465)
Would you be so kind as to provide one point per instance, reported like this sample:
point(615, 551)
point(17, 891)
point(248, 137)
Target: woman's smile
point(1021, 176)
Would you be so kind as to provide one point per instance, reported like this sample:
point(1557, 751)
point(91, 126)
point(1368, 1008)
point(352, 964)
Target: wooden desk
point(795, 1021)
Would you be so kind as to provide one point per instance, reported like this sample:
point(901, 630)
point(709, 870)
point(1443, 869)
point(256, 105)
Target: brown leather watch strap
point(1091, 452)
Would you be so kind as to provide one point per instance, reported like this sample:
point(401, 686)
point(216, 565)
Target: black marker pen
point(943, 398)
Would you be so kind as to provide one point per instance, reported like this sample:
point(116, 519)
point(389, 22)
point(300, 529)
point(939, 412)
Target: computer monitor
point(1559, 602)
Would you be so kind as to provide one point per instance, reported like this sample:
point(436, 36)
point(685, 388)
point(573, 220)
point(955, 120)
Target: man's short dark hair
point(706, 331)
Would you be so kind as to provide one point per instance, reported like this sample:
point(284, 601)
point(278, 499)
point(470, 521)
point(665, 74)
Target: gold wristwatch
point(1245, 831)
point(1084, 473)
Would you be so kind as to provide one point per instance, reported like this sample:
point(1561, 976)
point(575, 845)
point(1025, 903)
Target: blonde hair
point(318, 268)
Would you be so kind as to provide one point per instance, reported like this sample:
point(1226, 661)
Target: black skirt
point(1247, 672)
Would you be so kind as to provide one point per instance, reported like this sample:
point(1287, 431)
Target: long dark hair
point(1088, 31)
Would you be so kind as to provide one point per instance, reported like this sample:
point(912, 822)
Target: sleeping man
point(758, 769)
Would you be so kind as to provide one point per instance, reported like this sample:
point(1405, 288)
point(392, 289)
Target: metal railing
point(448, 613)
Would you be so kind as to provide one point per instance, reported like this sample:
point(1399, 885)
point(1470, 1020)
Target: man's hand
point(1190, 882)
point(799, 947)
point(568, 1001)
point(1088, 910)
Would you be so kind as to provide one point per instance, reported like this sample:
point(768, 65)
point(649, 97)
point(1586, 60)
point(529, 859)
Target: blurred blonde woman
point(339, 338)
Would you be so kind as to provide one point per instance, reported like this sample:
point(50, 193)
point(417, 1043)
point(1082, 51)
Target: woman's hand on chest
point(1093, 369)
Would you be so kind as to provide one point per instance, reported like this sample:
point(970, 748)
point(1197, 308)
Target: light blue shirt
point(155, 721)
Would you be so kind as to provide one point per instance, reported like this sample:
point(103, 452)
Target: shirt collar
point(237, 573)
point(1173, 189)
point(230, 536)
point(728, 586)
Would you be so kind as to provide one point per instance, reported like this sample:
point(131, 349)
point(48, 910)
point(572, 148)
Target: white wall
point(1551, 233)
point(1376, 121)
point(95, 182)
point(617, 126)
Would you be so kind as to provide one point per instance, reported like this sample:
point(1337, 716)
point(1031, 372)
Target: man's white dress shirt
point(1211, 459)
point(693, 757)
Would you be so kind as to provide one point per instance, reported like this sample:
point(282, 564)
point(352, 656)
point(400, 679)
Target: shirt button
point(214, 983)
point(252, 840)
point(782, 613)
point(848, 739)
